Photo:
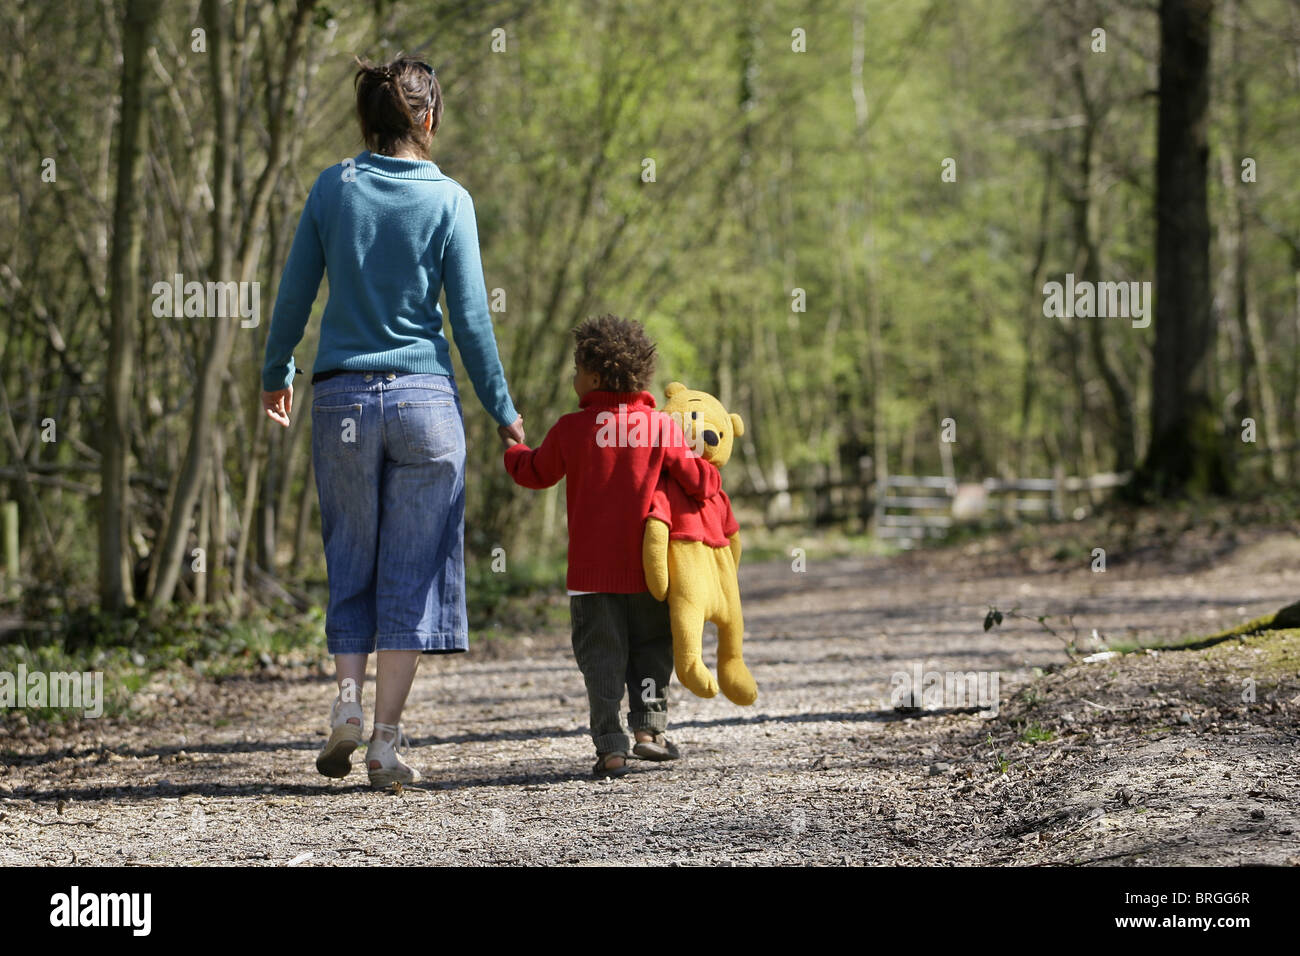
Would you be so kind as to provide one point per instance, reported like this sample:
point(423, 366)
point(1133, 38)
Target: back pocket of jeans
point(431, 429)
point(336, 429)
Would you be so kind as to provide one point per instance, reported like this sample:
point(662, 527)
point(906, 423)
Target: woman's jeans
point(389, 454)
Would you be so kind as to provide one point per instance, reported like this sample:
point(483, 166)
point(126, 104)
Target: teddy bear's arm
point(695, 475)
point(654, 557)
point(730, 526)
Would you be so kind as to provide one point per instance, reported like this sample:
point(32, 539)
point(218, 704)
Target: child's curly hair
point(618, 350)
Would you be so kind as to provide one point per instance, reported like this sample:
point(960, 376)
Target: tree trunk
point(1256, 378)
point(1187, 452)
point(114, 571)
point(303, 522)
point(1029, 374)
point(218, 579)
point(1089, 267)
point(285, 505)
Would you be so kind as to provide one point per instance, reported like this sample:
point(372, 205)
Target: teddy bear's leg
point(688, 635)
point(689, 588)
point(734, 678)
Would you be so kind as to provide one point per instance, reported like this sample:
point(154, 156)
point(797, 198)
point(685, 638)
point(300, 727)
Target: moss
point(1272, 653)
point(1286, 619)
point(1190, 460)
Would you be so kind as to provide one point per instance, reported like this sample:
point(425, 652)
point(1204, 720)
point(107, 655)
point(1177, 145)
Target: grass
point(997, 758)
point(1036, 733)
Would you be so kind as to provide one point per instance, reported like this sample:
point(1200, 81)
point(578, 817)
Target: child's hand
point(512, 435)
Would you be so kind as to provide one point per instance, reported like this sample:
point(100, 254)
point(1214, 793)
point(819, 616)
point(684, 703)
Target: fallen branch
point(66, 823)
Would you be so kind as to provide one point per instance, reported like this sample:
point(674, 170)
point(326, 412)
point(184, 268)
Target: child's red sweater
point(612, 452)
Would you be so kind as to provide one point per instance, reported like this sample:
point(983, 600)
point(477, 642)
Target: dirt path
point(1152, 759)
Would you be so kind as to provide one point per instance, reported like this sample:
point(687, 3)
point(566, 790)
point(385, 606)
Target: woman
point(388, 438)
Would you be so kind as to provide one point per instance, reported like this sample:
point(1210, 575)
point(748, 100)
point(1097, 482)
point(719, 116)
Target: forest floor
point(1143, 759)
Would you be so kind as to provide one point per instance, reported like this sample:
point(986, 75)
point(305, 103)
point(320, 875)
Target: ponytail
point(393, 100)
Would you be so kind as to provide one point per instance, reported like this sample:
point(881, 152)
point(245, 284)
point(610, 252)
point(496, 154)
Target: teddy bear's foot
point(696, 678)
point(737, 682)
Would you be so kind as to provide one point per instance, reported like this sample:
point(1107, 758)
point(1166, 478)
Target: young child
point(612, 452)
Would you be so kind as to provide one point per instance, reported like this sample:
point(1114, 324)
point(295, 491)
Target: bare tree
point(166, 568)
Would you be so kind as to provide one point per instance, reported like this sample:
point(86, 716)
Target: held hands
point(278, 405)
point(512, 434)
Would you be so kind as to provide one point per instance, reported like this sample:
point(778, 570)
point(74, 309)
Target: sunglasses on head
point(424, 66)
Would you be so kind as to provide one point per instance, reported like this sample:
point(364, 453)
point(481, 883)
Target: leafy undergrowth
point(147, 662)
point(151, 661)
point(520, 597)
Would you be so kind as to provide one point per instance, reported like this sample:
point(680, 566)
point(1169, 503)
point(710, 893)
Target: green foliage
point(524, 597)
point(136, 652)
point(1034, 733)
point(774, 171)
point(997, 758)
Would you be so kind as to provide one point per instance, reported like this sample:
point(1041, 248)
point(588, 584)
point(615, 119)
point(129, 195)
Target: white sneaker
point(335, 759)
point(382, 761)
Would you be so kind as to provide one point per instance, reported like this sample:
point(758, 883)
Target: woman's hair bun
point(393, 101)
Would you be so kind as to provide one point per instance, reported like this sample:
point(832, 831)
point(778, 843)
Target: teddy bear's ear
point(673, 388)
point(737, 424)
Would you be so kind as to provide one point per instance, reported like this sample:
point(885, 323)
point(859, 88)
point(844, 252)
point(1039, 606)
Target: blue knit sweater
point(392, 234)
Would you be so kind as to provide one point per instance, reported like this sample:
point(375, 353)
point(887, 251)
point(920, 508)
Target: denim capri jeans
point(389, 453)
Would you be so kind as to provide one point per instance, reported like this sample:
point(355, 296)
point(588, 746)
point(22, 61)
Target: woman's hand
point(512, 434)
point(278, 405)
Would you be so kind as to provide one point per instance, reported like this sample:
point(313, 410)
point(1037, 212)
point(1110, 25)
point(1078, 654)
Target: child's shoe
point(601, 769)
point(335, 758)
point(657, 747)
point(382, 761)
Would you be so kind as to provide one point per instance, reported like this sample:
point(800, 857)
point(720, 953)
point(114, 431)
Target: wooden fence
point(909, 508)
point(915, 507)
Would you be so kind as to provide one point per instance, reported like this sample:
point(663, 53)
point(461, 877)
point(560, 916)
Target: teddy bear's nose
point(710, 438)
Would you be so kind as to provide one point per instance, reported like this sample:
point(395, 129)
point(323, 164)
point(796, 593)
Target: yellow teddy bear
point(691, 550)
